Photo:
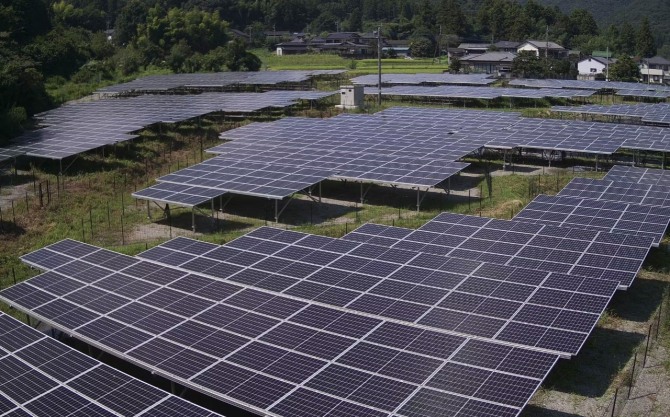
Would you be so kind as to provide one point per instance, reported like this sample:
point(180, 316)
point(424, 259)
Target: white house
point(541, 47)
point(655, 70)
point(594, 67)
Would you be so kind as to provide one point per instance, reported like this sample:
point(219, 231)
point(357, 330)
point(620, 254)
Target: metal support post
point(193, 219)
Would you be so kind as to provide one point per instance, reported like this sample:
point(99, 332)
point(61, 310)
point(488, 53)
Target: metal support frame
point(363, 194)
point(596, 162)
point(279, 212)
point(419, 198)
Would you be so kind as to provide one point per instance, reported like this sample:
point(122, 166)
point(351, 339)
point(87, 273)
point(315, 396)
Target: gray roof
point(543, 44)
point(490, 57)
point(602, 60)
point(507, 44)
point(474, 45)
point(657, 60)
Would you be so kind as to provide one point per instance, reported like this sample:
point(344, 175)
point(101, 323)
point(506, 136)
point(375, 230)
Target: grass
point(356, 67)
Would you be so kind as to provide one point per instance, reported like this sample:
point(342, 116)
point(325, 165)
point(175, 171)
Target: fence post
point(14, 275)
point(646, 349)
point(616, 393)
point(40, 195)
point(90, 219)
point(632, 375)
point(123, 238)
point(13, 213)
point(83, 236)
point(27, 205)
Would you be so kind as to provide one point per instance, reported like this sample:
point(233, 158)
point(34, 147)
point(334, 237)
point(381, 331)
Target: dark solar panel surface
point(609, 256)
point(625, 192)
point(234, 175)
point(608, 216)
point(648, 176)
point(428, 79)
point(183, 195)
point(280, 355)
point(469, 297)
point(81, 127)
point(45, 378)
point(587, 85)
point(656, 113)
point(217, 80)
point(483, 93)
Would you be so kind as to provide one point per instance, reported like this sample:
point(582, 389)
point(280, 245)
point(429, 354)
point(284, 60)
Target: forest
point(48, 46)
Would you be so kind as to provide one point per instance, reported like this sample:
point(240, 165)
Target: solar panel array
point(232, 175)
point(417, 79)
point(81, 127)
point(403, 130)
point(204, 81)
point(42, 377)
point(483, 93)
point(653, 113)
point(475, 299)
point(621, 191)
point(268, 352)
point(182, 195)
point(8, 154)
point(609, 216)
point(595, 254)
point(588, 85)
point(622, 173)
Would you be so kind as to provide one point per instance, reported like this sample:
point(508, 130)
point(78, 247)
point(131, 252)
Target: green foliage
point(644, 42)
point(237, 58)
point(421, 47)
point(527, 65)
point(625, 69)
point(455, 65)
point(62, 51)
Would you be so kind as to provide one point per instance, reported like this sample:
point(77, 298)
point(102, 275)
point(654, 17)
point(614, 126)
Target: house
point(341, 37)
point(399, 48)
point(506, 46)
point(655, 70)
point(293, 47)
point(238, 34)
point(594, 67)
point(499, 63)
point(544, 48)
point(474, 48)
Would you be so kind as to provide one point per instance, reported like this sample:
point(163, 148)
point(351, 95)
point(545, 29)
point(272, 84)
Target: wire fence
point(642, 360)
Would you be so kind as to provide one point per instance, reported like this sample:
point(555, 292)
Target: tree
point(527, 64)
point(451, 17)
point(583, 23)
point(644, 42)
point(627, 39)
point(625, 69)
point(455, 65)
point(421, 47)
point(237, 57)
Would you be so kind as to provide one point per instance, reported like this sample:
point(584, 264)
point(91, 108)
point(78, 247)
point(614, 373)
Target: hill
point(607, 12)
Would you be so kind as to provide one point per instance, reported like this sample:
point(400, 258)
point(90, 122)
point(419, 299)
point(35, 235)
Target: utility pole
point(607, 64)
point(379, 65)
point(439, 46)
point(546, 40)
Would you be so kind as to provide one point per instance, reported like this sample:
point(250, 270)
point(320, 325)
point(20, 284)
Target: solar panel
point(182, 195)
point(609, 256)
point(7, 154)
point(473, 298)
point(220, 175)
point(81, 127)
point(482, 93)
point(218, 80)
point(279, 355)
point(587, 85)
point(42, 377)
point(652, 113)
point(431, 79)
point(625, 192)
point(608, 216)
point(650, 176)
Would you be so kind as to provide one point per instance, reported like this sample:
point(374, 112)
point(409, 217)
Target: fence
point(642, 359)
